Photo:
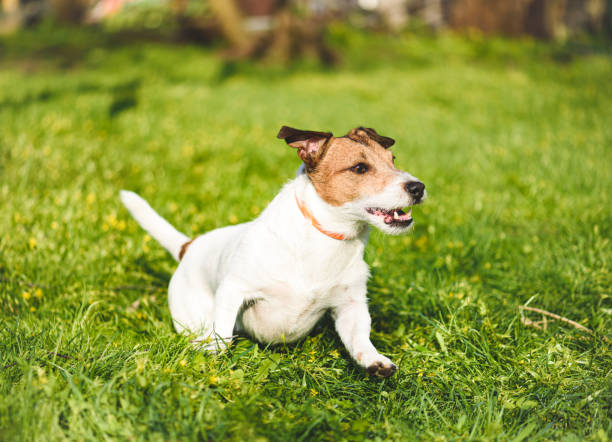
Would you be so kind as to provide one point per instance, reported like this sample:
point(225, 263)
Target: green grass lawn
point(514, 142)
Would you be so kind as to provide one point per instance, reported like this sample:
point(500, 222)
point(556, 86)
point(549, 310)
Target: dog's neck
point(332, 219)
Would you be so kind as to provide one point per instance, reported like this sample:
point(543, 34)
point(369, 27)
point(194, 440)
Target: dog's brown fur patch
point(184, 248)
point(333, 178)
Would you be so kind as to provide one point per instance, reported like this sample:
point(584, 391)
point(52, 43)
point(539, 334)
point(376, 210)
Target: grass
point(513, 142)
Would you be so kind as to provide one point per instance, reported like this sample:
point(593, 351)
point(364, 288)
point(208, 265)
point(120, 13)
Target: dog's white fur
point(274, 277)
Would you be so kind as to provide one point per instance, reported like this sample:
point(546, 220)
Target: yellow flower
point(38, 293)
point(183, 362)
point(188, 150)
point(91, 198)
point(26, 295)
point(313, 392)
point(334, 354)
point(32, 309)
point(32, 243)
point(54, 225)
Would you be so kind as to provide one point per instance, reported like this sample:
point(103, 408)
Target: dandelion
point(91, 198)
point(334, 354)
point(183, 362)
point(32, 243)
point(38, 293)
point(26, 295)
point(32, 309)
point(42, 375)
point(233, 219)
point(421, 243)
point(111, 220)
point(54, 225)
point(313, 392)
point(188, 150)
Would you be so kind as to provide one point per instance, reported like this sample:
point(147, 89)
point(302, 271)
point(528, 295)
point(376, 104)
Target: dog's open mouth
point(392, 217)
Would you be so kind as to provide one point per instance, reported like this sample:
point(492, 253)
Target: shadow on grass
point(156, 276)
point(125, 95)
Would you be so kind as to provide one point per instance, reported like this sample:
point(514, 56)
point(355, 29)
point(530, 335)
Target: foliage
point(513, 146)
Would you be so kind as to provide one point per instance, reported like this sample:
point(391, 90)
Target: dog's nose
point(415, 188)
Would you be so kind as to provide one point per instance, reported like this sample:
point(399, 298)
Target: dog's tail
point(160, 229)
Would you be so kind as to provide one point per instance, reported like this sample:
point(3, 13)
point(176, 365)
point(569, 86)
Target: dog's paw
point(212, 345)
point(382, 369)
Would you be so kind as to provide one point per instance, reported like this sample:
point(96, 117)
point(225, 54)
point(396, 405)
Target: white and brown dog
point(274, 277)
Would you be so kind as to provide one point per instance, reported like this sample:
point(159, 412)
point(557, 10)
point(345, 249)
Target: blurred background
point(286, 29)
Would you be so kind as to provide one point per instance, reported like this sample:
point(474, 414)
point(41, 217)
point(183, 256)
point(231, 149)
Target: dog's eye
point(360, 168)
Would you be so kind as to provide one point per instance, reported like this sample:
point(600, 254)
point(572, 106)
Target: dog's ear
point(309, 143)
point(368, 132)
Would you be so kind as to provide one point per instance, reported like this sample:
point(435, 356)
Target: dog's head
point(357, 172)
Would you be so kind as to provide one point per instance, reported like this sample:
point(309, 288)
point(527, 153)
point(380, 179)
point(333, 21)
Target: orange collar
point(316, 223)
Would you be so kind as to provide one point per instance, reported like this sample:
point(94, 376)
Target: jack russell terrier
point(274, 277)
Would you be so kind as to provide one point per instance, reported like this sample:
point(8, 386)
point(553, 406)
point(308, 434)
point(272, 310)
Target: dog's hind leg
point(192, 305)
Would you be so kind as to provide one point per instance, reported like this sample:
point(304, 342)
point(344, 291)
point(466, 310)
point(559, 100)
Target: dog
point(274, 277)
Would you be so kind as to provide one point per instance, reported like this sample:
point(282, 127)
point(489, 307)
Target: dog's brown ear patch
point(370, 133)
point(309, 143)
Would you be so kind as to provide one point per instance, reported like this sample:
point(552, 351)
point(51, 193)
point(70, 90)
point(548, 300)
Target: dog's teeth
point(395, 214)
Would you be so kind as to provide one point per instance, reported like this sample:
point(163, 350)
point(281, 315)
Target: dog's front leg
point(353, 325)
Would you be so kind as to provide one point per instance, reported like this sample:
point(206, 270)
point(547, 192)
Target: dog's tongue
point(398, 215)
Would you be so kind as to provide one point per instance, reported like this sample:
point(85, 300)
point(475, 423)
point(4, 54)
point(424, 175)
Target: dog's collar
point(316, 224)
